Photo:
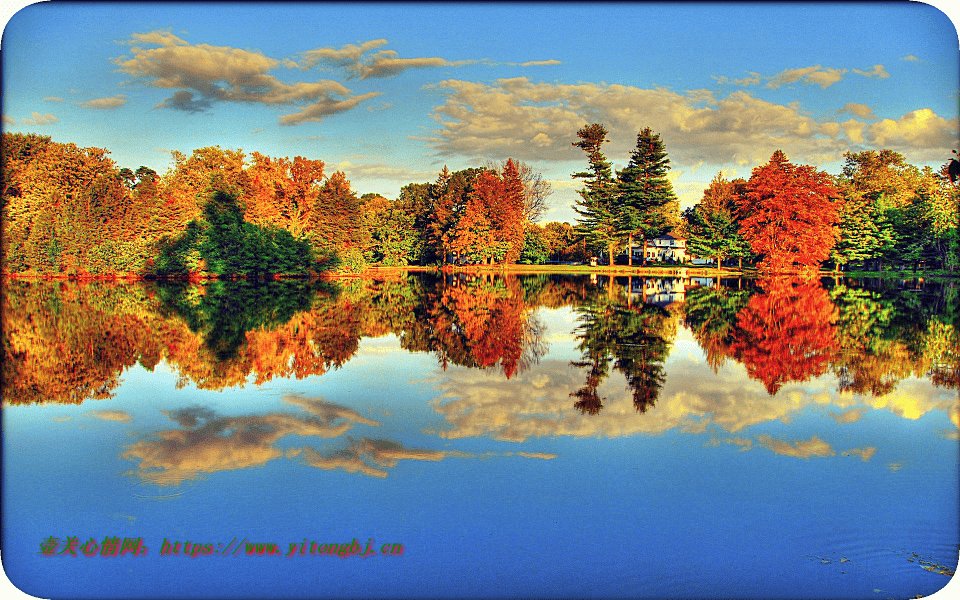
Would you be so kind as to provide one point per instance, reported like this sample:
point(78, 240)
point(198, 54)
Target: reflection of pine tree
point(636, 339)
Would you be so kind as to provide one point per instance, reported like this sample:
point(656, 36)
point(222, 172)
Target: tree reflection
point(68, 341)
point(711, 314)
point(635, 338)
point(480, 322)
point(786, 333)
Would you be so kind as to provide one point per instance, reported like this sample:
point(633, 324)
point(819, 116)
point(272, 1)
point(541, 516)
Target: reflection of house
point(665, 247)
point(661, 291)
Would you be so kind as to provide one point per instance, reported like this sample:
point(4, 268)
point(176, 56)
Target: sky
point(390, 93)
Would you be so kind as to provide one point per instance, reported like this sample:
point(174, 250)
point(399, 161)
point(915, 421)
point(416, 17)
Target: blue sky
point(389, 93)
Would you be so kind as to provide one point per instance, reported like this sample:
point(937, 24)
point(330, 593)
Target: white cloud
point(815, 74)
point(911, 58)
point(858, 110)
point(916, 129)
point(538, 121)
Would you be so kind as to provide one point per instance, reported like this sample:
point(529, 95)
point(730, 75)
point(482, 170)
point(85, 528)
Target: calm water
point(524, 436)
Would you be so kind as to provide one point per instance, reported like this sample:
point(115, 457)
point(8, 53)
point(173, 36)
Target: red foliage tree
point(786, 333)
point(789, 215)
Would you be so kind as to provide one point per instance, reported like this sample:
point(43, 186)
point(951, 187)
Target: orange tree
point(789, 215)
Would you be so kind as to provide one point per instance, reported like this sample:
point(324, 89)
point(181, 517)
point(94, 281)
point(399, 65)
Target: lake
point(422, 435)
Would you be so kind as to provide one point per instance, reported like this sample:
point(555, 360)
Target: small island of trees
point(72, 212)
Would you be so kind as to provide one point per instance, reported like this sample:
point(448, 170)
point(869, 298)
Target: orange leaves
point(789, 215)
point(786, 333)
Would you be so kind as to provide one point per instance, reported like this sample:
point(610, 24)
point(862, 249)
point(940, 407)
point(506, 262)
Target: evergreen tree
point(645, 195)
point(712, 227)
point(597, 203)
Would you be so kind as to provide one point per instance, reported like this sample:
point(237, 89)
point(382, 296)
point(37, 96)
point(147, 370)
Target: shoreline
point(512, 269)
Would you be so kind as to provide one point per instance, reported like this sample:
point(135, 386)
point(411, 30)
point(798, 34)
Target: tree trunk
point(630, 250)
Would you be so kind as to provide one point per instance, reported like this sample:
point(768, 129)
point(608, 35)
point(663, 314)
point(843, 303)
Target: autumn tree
point(448, 198)
point(536, 189)
point(598, 221)
point(786, 333)
point(283, 192)
point(789, 215)
point(565, 243)
point(873, 185)
point(646, 203)
point(712, 226)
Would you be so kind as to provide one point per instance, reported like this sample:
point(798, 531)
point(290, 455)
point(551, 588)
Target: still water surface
point(516, 436)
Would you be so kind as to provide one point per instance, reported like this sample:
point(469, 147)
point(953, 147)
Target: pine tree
point(645, 195)
point(596, 206)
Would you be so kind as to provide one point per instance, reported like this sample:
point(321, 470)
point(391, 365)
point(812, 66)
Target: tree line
point(72, 211)
point(878, 211)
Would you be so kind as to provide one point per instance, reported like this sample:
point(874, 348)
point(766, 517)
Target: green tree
point(645, 195)
point(711, 225)
point(598, 222)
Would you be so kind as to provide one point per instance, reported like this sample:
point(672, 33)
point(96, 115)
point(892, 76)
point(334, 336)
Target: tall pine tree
point(597, 203)
point(646, 197)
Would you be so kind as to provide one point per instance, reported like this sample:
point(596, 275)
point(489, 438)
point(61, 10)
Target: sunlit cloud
point(540, 63)
point(8, 120)
point(877, 71)
point(380, 170)
point(354, 59)
point(53, 99)
point(532, 121)
point(112, 415)
point(207, 443)
point(824, 77)
point(895, 466)
point(753, 79)
point(104, 103)
point(226, 74)
point(864, 453)
point(328, 106)
point(41, 119)
point(541, 455)
point(345, 56)
point(858, 110)
point(911, 58)
point(849, 416)
point(917, 129)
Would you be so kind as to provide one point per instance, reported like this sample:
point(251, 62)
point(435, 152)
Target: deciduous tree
point(789, 215)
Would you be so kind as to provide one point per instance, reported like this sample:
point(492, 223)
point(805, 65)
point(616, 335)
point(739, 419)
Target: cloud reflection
point(112, 415)
point(207, 443)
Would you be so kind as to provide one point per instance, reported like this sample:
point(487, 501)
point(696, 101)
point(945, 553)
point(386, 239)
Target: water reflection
point(68, 342)
point(817, 410)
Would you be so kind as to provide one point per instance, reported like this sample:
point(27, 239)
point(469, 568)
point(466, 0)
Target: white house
point(665, 247)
